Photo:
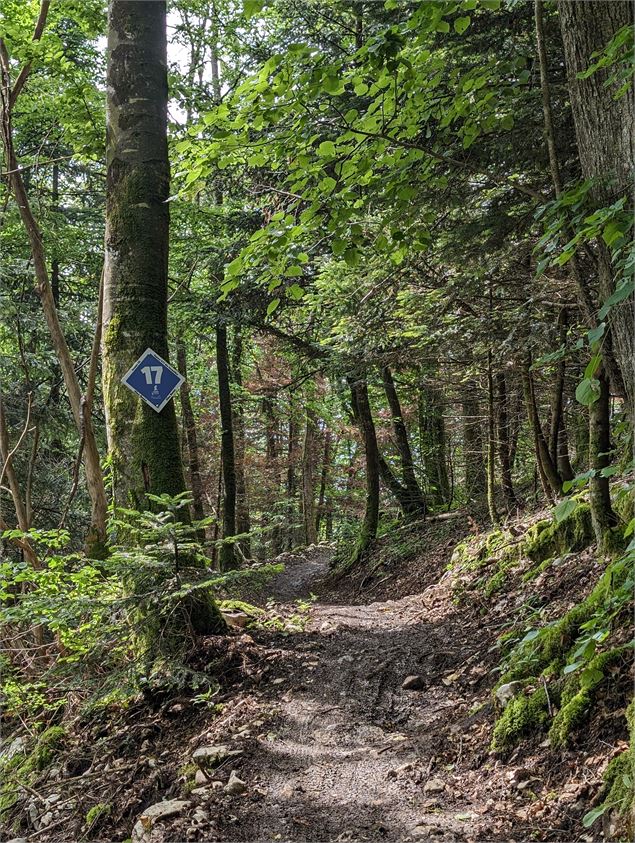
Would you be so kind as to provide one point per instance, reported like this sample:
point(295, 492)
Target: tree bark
point(602, 514)
point(243, 522)
point(324, 477)
point(143, 444)
point(191, 437)
point(475, 475)
point(605, 132)
point(433, 443)
point(503, 441)
point(227, 553)
point(416, 501)
point(292, 446)
point(547, 469)
point(308, 480)
point(491, 444)
point(364, 418)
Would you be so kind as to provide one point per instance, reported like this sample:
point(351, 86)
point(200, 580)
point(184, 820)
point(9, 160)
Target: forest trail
point(348, 753)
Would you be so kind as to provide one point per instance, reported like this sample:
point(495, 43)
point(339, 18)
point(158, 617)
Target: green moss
point(23, 767)
point(548, 652)
point(241, 606)
point(547, 539)
point(578, 696)
point(522, 716)
point(532, 573)
point(97, 813)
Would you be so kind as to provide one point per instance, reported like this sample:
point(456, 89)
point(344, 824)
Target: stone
point(434, 786)
point(239, 620)
point(506, 693)
point(141, 833)
point(200, 778)
point(413, 683)
point(46, 819)
point(235, 785)
point(210, 756)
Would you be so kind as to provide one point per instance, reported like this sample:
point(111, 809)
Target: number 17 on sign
point(153, 379)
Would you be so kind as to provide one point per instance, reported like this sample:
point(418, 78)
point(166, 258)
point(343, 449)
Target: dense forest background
point(387, 244)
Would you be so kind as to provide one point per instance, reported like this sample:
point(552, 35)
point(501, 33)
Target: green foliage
point(523, 715)
point(96, 814)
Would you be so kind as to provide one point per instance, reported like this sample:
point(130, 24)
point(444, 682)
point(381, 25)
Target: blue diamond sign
point(153, 379)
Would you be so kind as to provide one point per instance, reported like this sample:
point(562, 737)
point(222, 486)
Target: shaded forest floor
point(328, 743)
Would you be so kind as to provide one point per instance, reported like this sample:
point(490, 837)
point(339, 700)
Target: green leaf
point(461, 24)
point(272, 306)
point(564, 509)
point(492, 5)
point(588, 391)
point(327, 184)
point(333, 85)
point(591, 816)
point(326, 149)
point(623, 292)
point(295, 292)
point(443, 26)
point(351, 256)
point(592, 366)
point(252, 7)
point(596, 334)
point(293, 271)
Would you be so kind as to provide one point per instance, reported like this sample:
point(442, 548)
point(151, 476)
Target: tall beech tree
point(143, 445)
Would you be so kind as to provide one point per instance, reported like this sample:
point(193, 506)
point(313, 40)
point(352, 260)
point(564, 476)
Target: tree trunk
point(191, 437)
point(416, 503)
point(605, 132)
point(502, 425)
point(491, 444)
point(227, 552)
point(292, 446)
point(324, 477)
point(546, 465)
point(143, 444)
point(433, 443)
point(243, 523)
point(308, 482)
point(364, 418)
point(602, 513)
point(475, 476)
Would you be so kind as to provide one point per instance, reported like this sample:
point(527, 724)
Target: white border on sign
point(181, 380)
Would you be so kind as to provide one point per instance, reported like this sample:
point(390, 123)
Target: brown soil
point(333, 747)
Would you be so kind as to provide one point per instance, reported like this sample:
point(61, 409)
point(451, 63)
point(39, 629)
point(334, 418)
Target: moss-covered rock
point(579, 694)
point(524, 715)
point(23, 767)
point(547, 538)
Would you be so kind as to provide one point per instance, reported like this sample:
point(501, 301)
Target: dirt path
point(349, 754)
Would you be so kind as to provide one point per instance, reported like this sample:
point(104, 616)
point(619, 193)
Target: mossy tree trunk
point(144, 445)
point(292, 447)
point(364, 418)
point(227, 553)
point(605, 133)
point(602, 513)
point(491, 444)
